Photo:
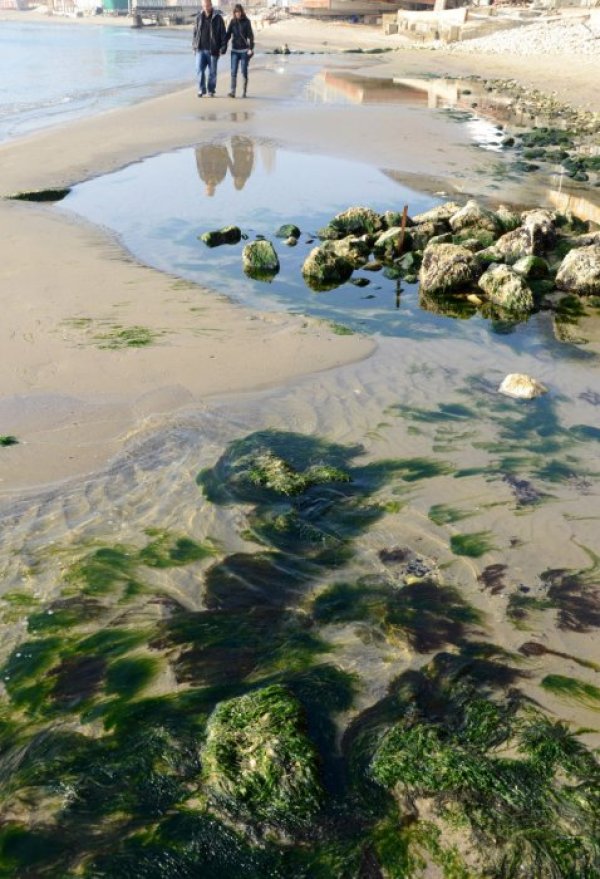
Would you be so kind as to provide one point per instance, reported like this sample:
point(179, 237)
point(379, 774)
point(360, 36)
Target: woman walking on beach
point(242, 47)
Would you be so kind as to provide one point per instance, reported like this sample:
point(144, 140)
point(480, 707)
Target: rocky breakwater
point(495, 260)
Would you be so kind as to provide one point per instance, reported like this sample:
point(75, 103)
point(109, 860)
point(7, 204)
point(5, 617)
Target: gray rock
point(507, 289)
point(579, 271)
point(441, 213)
point(541, 226)
point(473, 216)
point(446, 267)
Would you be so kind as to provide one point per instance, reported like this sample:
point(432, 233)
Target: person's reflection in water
point(213, 162)
point(242, 151)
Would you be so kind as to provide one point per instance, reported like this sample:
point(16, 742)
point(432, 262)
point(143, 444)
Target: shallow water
point(52, 74)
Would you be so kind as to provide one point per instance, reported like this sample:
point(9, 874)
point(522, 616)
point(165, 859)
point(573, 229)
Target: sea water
point(52, 74)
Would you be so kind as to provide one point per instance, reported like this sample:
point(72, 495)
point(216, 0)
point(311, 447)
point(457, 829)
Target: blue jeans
point(239, 57)
point(203, 60)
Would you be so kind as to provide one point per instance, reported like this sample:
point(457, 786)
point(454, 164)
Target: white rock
point(521, 386)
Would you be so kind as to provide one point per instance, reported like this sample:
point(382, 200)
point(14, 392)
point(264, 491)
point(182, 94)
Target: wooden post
point(403, 228)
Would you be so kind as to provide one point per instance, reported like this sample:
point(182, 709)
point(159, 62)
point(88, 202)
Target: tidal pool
point(159, 207)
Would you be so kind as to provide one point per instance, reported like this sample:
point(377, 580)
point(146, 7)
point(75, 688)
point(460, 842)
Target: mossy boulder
point(473, 216)
point(394, 218)
point(422, 233)
point(579, 271)
point(288, 230)
point(509, 220)
point(514, 245)
point(226, 235)
point(325, 268)
point(353, 221)
point(446, 267)
point(259, 766)
point(506, 288)
point(260, 260)
point(355, 250)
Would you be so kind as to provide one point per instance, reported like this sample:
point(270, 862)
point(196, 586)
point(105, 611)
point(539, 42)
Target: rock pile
point(555, 37)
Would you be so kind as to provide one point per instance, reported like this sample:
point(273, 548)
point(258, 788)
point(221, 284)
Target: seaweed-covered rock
point(226, 235)
point(271, 472)
point(446, 267)
point(421, 234)
point(532, 267)
point(473, 216)
point(288, 230)
point(509, 220)
point(355, 250)
point(391, 243)
point(325, 268)
point(260, 260)
point(579, 271)
point(353, 221)
point(514, 245)
point(259, 766)
point(394, 218)
point(506, 288)
point(441, 213)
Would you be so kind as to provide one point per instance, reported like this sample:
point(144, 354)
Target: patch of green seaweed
point(573, 690)
point(473, 545)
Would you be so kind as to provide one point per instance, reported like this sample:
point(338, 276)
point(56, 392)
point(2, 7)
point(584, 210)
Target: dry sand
point(73, 405)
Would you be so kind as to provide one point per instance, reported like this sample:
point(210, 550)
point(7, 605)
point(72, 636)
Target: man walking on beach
point(208, 42)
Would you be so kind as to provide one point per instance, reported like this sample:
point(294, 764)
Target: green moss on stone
point(258, 763)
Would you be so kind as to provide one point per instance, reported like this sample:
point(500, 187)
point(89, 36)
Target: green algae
point(536, 807)
point(131, 793)
point(423, 615)
point(443, 514)
point(42, 195)
point(128, 676)
point(573, 690)
point(8, 440)
point(473, 545)
point(258, 763)
point(169, 550)
point(117, 337)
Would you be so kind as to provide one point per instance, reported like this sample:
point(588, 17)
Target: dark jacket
point(240, 34)
point(210, 33)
